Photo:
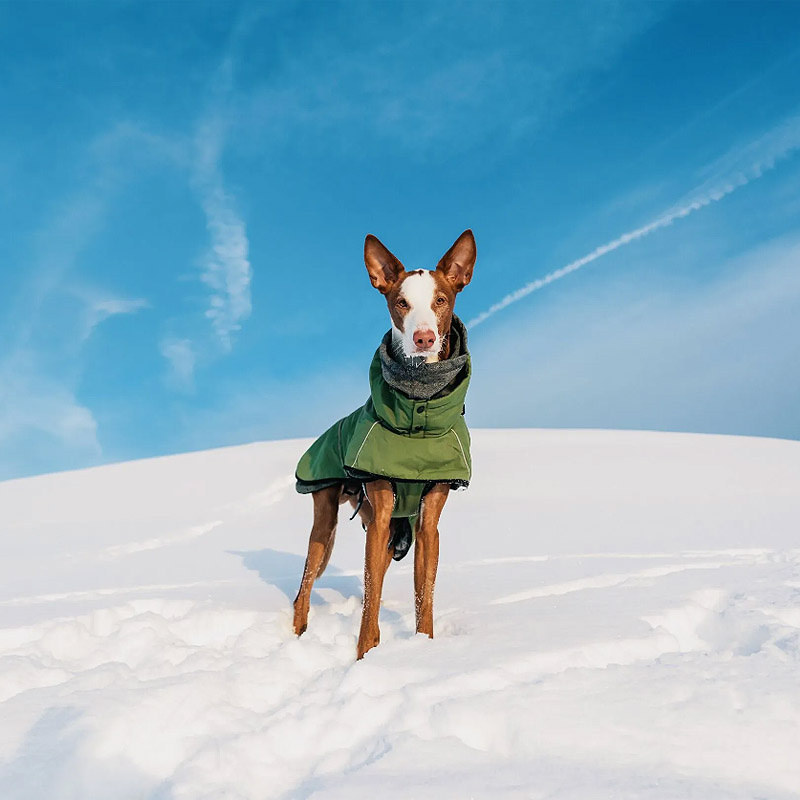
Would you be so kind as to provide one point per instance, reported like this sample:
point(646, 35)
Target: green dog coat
point(412, 443)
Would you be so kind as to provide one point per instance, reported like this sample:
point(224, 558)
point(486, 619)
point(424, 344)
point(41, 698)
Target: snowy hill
point(617, 616)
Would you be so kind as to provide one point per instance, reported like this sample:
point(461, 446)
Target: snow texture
point(617, 616)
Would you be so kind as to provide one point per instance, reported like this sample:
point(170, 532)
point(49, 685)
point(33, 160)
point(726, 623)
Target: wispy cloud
point(181, 357)
point(46, 325)
point(39, 408)
point(54, 312)
point(431, 80)
point(658, 351)
point(31, 401)
point(226, 266)
point(740, 167)
point(99, 309)
point(41, 418)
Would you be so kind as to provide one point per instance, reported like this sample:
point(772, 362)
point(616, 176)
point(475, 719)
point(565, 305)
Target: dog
point(396, 459)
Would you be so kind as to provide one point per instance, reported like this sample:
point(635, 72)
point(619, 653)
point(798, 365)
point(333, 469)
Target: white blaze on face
point(418, 291)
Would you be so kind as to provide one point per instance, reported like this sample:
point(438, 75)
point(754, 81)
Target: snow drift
point(617, 615)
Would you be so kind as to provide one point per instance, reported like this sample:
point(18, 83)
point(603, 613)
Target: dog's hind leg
point(320, 545)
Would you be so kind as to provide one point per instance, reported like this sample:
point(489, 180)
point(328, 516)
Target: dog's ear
point(458, 262)
point(383, 268)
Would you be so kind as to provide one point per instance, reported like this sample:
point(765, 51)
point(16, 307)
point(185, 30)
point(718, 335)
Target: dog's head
point(421, 301)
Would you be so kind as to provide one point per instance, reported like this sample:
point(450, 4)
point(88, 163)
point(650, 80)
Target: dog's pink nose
point(424, 339)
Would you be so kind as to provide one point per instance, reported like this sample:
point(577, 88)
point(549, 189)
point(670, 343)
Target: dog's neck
point(397, 347)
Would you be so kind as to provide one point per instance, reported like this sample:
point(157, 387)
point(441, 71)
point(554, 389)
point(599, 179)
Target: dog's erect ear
point(457, 263)
point(383, 268)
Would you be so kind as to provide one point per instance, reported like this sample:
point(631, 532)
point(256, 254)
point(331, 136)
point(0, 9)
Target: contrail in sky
point(779, 143)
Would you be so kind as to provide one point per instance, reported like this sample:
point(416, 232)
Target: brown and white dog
point(421, 306)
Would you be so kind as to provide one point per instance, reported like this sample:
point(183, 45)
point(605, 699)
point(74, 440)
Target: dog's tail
point(327, 557)
point(401, 537)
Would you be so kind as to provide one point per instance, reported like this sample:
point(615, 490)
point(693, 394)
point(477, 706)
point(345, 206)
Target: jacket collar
point(417, 379)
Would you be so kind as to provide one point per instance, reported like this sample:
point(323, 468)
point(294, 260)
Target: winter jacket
point(413, 443)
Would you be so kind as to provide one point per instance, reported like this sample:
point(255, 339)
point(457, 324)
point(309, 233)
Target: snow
point(617, 615)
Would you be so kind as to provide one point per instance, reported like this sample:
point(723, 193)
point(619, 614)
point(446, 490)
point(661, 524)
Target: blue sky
point(185, 190)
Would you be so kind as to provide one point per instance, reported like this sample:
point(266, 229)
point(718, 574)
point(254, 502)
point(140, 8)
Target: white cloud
point(42, 422)
point(32, 402)
point(743, 165)
point(100, 309)
point(758, 155)
point(40, 366)
point(437, 80)
point(181, 357)
point(226, 267)
point(717, 356)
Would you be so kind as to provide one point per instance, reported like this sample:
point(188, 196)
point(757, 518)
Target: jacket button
point(421, 410)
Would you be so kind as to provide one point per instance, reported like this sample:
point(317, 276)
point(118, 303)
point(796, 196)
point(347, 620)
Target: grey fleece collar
point(414, 377)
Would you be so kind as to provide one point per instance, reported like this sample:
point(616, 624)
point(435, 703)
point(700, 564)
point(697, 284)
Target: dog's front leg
point(426, 556)
point(376, 562)
point(320, 545)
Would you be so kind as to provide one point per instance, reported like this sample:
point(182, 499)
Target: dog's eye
point(402, 303)
point(440, 301)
